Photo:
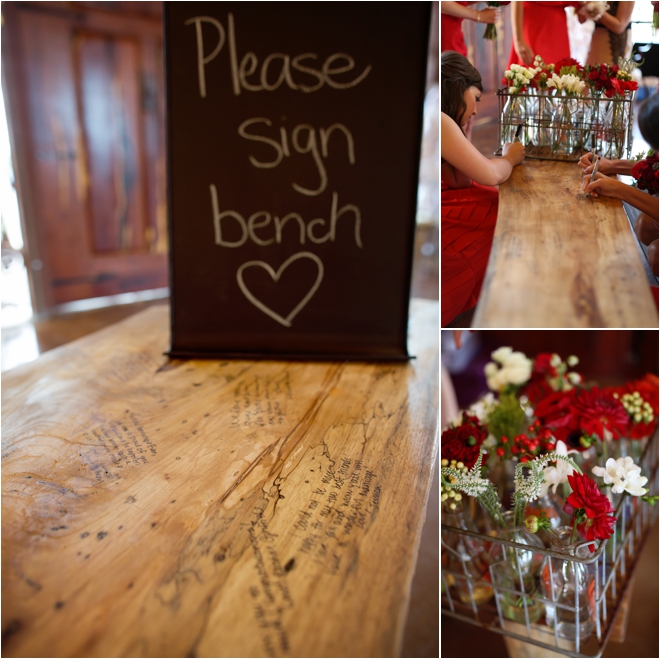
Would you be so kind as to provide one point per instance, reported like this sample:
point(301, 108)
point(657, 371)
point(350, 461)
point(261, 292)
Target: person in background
point(540, 28)
point(611, 37)
point(451, 23)
point(646, 226)
point(469, 201)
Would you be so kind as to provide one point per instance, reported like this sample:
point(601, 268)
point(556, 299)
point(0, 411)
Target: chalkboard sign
point(294, 132)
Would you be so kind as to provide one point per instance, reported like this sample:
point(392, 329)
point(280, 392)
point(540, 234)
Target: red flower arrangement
point(569, 64)
point(646, 173)
point(576, 417)
point(591, 508)
point(463, 443)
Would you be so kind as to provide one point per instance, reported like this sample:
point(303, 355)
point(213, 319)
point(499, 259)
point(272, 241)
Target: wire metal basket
point(612, 567)
point(564, 127)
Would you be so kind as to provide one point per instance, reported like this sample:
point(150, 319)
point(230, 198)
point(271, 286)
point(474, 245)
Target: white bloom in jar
point(623, 475)
point(516, 369)
point(554, 476)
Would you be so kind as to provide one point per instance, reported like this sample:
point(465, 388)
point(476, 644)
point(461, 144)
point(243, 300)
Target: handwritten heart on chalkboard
point(275, 277)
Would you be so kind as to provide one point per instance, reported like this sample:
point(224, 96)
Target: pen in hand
point(518, 131)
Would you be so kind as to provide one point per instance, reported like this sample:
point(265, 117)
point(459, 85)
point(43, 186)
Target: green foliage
point(506, 419)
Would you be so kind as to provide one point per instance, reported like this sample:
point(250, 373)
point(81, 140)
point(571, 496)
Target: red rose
point(463, 443)
point(586, 495)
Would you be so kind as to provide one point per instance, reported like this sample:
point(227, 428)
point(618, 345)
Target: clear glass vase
point(614, 129)
point(541, 115)
point(467, 559)
point(513, 114)
point(518, 570)
point(562, 120)
point(571, 586)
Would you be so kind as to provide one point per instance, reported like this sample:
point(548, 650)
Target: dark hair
point(456, 75)
point(648, 120)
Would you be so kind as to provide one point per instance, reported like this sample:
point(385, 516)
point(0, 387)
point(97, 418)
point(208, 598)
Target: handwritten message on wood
point(205, 508)
point(294, 133)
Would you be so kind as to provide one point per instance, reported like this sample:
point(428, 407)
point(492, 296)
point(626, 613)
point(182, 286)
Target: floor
point(421, 635)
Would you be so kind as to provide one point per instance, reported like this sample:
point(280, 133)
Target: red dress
point(451, 33)
point(468, 222)
point(545, 31)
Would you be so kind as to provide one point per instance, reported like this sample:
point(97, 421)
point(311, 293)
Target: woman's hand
point(515, 151)
point(604, 165)
point(604, 185)
point(525, 53)
point(489, 15)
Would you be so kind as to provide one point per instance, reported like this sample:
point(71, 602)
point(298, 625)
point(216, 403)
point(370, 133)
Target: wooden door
point(84, 88)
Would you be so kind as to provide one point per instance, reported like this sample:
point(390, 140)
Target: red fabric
point(451, 33)
point(654, 291)
point(468, 222)
point(545, 31)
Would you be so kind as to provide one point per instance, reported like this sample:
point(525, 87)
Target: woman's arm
point(469, 164)
point(480, 16)
point(618, 23)
point(609, 187)
point(525, 53)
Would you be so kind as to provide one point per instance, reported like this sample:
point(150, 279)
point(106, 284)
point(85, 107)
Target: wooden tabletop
point(212, 508)
point(560, 259)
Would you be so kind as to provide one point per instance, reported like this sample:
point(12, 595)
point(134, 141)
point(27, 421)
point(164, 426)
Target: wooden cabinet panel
point(85, 95)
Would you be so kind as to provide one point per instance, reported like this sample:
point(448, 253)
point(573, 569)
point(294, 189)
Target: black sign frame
point(293, 161)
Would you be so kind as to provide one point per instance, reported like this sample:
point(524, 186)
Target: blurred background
point(607, 358)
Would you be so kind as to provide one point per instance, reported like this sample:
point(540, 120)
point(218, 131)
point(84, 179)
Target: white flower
point(554, 476)
point(508, 74)
point(572, 360)
point(516, 369)
point(501, 354)
point(624, 475)
point(482, 408)
point(555, 360)
point(574, 378)
point(490, 369)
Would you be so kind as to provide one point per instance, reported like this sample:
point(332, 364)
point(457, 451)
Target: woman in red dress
point(469, 200)
point(451, 23)
point(539, 28)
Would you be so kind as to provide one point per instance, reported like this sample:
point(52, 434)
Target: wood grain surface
point(207, 508)
point(560, 259)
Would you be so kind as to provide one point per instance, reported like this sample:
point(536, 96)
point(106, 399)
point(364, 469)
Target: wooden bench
point(561, 259)
point(212, 508)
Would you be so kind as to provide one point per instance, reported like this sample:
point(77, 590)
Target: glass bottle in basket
point(571, 585)
point(518, 570)
point(466, 559)
point(513, 114)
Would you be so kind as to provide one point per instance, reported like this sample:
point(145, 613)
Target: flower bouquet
point(560, 530)
point(569, 107)
point(645, 173)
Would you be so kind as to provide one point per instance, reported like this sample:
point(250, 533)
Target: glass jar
point(541, 117)
point(553, 506)
point(518, 570)
point(562, 121)
point(571, 585)
point(513, 114)
point(465, 558)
